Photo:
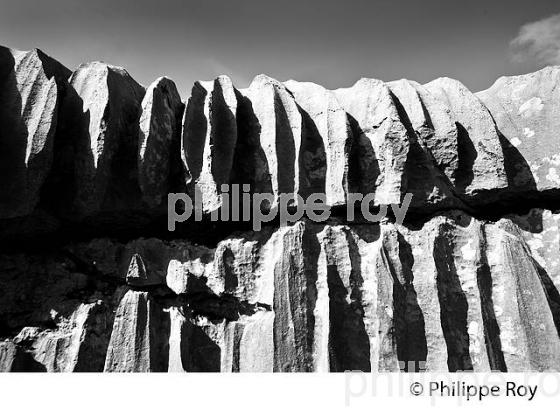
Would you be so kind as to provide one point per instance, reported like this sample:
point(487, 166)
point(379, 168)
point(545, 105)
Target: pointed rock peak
point(204, 87)
point(403, 83)
point(444, 85)
point(51, 67)
point(223, 81)
point(36, 53)
point(136, 270)
point(442, 81)
point(142, 274)
point(224, 86)
point(30, 98)
point(368, 82)
point(198, 86)
point(363, 88)
point(164, 82)
point(89, 77)
point(33, 59)
point(122, 78)
point(262, 80)
point(162, 110)
point(101, 70)
point(92, 66)
point(441, 86)
point(117, 69)
point(198, 93)
point(104, 114)
point(209, 138)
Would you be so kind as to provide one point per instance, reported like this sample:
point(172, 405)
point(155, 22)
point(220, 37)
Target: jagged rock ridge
point(466, 284)
point(94, 144)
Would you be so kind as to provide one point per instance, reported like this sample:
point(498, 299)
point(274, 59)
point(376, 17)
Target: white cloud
point(539, 41)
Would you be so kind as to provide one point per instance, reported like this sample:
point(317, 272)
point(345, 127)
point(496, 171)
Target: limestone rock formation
point(31, 86)
point(432, 158)
point(105, 114)
point(526, 111)
point(469, 281)
point(159, 141)
point(273, 137)
point(381, 139)
point(326, 142)
point(137, 343)
point(456, 294)
point(481, 160)
point(541, 231)
point(432, 120)
point(210, 138)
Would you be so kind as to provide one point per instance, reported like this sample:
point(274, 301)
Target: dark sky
point(331, 42)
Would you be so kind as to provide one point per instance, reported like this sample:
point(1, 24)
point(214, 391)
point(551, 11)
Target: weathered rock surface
point(430, 165)
point(454, 294)
point(137, 342)
point(273, 137)
point(470, 281)
point(31, 86)
point(526, 111)
point(98, 144)
point(382, 140)
point(541, 231)
point(434, 123)
point(481, 165)
point(326, 142)
point(105, 114)
point(210, 138)
point(159, 141)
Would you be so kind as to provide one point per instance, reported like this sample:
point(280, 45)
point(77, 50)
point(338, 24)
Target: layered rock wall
point(92, 281)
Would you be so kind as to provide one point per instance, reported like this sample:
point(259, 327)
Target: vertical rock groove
point(92, 280)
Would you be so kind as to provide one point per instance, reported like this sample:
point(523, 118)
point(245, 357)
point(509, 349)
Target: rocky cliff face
point(93, 281)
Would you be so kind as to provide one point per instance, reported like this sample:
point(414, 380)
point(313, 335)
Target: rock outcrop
point(159, 142)
point(210, 138)
point(273, 137)
point(525, 109)
point(326, 143)
point(31, 87)
point(456, 294)
point(469, 281)
point(104, 117)
point(481, 166)
point(382, 140)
